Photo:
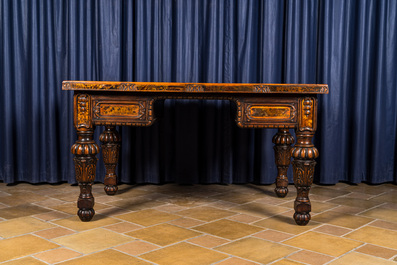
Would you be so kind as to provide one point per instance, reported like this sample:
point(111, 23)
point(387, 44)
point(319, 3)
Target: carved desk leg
point(85, 150)
point(282, 153)
point(110, 139)
point(304, 154)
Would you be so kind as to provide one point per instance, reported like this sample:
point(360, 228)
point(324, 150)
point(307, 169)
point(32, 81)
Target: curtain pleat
point(349, 45)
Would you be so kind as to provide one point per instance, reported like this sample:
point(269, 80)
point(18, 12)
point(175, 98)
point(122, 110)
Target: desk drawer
point(266, 113)
point(132, 111)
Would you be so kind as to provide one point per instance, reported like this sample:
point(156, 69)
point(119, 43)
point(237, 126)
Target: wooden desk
point(282, 106)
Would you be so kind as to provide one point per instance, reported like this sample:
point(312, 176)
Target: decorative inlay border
point(196, 87)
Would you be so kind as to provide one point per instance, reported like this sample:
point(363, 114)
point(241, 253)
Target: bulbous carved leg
point(303, 165)
point(282, 153)
point(85, 150)
point(110, 139)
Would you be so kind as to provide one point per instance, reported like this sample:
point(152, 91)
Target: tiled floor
point(200, 224)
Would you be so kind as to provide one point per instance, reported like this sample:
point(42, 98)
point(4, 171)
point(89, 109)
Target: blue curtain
point(350, 45)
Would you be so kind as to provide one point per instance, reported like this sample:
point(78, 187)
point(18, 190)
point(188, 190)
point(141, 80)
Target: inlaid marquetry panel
point(308, 115)
point(131, 111)
point(265, 113)
point(82, 115)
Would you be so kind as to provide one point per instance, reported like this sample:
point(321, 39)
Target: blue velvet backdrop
point(350, 45)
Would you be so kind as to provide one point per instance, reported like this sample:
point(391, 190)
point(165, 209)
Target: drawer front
point(267, 113)
point(122, 111)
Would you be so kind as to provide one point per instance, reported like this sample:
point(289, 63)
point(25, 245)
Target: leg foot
point(111, 190)
point(110, 139)
point(86, 215)
point(85, 202)
point(282, 153)
point(302, 218)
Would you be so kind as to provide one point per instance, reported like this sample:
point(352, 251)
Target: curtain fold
point(349, 45)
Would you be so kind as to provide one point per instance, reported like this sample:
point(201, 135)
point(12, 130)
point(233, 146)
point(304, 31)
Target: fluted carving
point(282, 153)
point(85, 150)
point(110, 139)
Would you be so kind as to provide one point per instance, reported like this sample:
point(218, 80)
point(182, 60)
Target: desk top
point(196, 87)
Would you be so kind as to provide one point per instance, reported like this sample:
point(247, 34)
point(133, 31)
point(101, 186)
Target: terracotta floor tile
point(163, 234)
point(359, 195)
point(287, 262)
point(21, 246)
point(208, 241)
point(222, 204)
point(50, 216)
point(148, 217)
point(128, 191)
point(273, 235)
point(236, 261)
point(353, 202)
point(184, 254)
point(347, 209)
point(186, 222)
point(71, 208)
point(106, 199)
point(188, 201)
point(69, 197)
point(362, 259)
point(327, 191)
point(309, 257)
point(333, 230)
point(244, 218)
point(112, 211)
point(92, 240)
point(106, 257)
point(259, 210)
point(239, 198)
point(322, 243)
point(341, 219)
point(75, 223)
point(318, 207)
point(381, 213)
point(257, 250)
point(21, 198)
point(384, 224)
point(319, 198)
point(390, 196)
point(24, 261)
point(376, 236)
point(228, 229)
point(136, 247)
point(54, 232)
point(271, 199)
point(49, 202)
point(23, 225)
point(170, 208)
point(285, 224)
point(368, 189)
point(370, 209)
point(57, 255)
point(377, 251)
point(21, 210)
point(389, 205)
point(123, 227)
point(205, 213)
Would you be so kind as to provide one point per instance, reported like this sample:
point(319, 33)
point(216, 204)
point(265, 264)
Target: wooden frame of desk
point(282, 106)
